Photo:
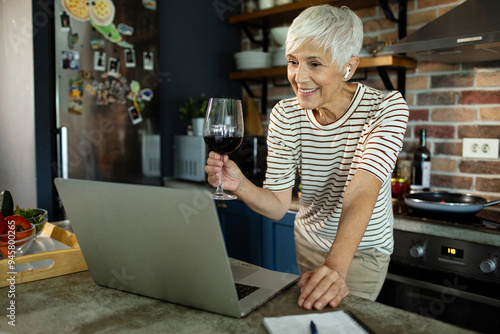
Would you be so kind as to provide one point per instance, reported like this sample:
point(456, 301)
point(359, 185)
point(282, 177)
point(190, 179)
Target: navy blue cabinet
point(279, 245)
point(255, 239)
point(242, 229)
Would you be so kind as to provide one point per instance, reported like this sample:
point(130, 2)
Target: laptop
point(163, 243)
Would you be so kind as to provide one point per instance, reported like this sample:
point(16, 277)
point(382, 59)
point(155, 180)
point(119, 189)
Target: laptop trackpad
point(240, 272)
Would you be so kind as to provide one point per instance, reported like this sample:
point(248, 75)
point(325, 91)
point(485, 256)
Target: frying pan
point(446, 202)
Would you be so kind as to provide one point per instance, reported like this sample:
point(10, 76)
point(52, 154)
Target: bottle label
point(426, 174)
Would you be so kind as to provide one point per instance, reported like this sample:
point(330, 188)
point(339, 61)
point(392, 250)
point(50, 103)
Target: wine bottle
point(421, 167)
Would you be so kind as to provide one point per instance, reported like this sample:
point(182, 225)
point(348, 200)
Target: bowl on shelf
point(279, 58)
point(39, 220)
point(16, 243)
point(279, 34)
point(248, 60)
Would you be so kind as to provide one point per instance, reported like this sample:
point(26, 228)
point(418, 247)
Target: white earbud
point(347, 73)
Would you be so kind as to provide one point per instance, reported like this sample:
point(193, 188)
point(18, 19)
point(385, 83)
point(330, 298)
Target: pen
point(313, 328)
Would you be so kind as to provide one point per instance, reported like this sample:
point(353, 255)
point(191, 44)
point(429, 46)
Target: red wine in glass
point(223, 132)
point(223, 144)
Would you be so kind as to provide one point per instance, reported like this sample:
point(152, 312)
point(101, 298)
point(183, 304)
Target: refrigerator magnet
point(83, 74)
point(70, 60)
point(65, 23)
point(135, 87)
point(146, 94)
point(113, 67)
point(99, 61)
point(135, 116)
point(125, 29)
point(148, 60)
point(91, 89)
point(97, 44)
point(72, 39)
point(149, 4)
point(129, 57)
point(75, 96)
point(78, 9)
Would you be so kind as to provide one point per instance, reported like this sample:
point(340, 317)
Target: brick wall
point(452, 101)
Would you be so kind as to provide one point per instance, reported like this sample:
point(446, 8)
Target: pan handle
point(493, 203)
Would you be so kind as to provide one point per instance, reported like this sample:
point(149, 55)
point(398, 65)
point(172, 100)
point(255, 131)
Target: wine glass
point(223, 132)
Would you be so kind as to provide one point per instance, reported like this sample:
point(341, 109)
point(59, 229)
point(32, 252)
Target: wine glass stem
point(219, 189)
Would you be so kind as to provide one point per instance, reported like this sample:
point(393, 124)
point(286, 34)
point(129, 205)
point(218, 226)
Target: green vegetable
point(26, 213)
point(6, 203)
point(33, 216)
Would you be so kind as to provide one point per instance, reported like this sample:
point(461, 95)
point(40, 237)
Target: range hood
point(469, 32)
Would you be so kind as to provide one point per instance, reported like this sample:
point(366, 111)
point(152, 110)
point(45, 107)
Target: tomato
point(3, 224)
point(4, 251)
point(22, 225)
point(22, 229)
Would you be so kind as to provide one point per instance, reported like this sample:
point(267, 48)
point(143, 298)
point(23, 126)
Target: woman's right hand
point(231, 174)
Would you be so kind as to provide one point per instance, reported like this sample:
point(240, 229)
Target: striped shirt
point(368, 137)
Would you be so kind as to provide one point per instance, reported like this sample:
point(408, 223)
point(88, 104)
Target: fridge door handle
point(255, 154)
point(63, 153)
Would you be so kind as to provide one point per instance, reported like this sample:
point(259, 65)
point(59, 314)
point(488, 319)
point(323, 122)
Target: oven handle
point(439, 288)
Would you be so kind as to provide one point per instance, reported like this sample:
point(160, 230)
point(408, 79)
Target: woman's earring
point(347, 73)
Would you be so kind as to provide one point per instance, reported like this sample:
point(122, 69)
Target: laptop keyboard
point(244, 290)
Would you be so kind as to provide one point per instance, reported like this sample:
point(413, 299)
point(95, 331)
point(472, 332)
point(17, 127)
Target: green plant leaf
point(194, 108)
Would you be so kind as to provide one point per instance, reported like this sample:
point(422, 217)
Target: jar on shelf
point(266, 4)
point(399, 185)
point(250, 6)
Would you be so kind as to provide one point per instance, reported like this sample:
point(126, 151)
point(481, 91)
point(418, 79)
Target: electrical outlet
point(480, 148)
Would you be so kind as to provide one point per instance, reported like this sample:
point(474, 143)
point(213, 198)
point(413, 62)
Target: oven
point(451, 274)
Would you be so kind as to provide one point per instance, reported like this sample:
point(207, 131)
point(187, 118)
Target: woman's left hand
point(321, 287)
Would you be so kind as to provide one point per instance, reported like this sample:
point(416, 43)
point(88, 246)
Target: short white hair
point(337, 31)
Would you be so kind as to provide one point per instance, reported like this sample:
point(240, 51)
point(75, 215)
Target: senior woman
point(343, 140)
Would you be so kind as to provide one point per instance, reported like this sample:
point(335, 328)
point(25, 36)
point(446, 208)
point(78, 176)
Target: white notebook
point(330, 322)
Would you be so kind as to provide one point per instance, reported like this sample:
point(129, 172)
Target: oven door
point(457, 300)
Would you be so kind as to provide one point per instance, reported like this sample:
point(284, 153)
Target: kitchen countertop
point(448, 230)
point(75, 304)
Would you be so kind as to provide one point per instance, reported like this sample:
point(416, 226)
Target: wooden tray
point(65, 261)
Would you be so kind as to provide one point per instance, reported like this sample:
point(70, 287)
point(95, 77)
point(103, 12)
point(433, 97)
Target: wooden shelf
point(392, 61)
point(284, 14)
point(258, 73)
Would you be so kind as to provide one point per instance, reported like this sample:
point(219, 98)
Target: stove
point(486, 218)
point(447, 267)
point(465, 258)
point(470, 257)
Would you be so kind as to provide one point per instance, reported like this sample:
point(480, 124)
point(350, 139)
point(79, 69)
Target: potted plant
point(195, 110)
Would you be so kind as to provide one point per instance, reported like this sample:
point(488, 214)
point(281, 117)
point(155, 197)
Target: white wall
point(17, 115)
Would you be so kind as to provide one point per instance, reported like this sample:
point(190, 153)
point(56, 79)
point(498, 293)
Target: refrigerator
point(107, 87)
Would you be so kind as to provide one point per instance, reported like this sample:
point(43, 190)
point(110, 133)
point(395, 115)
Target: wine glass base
point(224, 197)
